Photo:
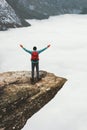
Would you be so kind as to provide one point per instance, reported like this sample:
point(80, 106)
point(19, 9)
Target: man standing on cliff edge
point(35, 60)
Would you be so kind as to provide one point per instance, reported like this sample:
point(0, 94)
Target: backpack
point(35, 56)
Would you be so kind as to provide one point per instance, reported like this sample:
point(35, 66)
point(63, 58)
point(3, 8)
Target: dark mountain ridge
point(40, 9)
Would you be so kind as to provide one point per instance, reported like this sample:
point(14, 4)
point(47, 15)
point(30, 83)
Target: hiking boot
point(38, 79)
point(32, 81)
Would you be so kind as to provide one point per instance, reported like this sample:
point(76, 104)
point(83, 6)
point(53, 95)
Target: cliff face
point(8, 17)
point(19, 99)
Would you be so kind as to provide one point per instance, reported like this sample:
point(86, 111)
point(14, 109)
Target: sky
point(66, 58)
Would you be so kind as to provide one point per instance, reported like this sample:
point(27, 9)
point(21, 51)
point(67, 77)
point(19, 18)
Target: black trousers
point(35, 66)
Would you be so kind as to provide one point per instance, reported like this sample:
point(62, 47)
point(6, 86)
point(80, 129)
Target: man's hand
point(21, 46)
point(49, 45)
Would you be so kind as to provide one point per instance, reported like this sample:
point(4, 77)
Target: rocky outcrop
point(19, 99)
point(8, 17)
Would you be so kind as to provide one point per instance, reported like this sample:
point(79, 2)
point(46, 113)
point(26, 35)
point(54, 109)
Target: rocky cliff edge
point(19, 99)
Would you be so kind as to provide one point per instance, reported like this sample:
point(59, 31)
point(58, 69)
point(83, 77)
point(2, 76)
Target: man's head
point(34, 48)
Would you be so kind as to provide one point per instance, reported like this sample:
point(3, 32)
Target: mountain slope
point(8, 17)
point(14, 12)
point(44, 8)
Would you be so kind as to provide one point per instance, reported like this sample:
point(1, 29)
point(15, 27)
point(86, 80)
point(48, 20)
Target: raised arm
point(25, 49)
point(44, 49)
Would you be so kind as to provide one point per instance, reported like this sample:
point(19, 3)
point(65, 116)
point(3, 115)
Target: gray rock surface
point(19, 99)
point(8, 17)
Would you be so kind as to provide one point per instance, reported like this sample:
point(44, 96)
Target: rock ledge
point(19, 99)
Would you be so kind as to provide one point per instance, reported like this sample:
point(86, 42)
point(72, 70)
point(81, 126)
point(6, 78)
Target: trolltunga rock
point(19, 99)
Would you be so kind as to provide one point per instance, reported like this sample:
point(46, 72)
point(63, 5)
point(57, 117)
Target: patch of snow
point(31, 7)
